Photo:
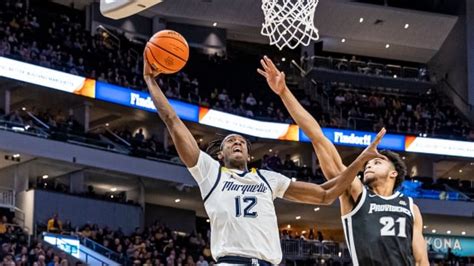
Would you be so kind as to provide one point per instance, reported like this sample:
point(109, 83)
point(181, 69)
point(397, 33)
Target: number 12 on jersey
point(251, 202)
point(389, 227)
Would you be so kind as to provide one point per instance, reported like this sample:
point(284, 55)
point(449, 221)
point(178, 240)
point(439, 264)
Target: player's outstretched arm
point(328, 156)
point(419, 244)
point(328, 192)
point(186, 145)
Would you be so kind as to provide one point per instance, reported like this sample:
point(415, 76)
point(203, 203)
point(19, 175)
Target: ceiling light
point(395, 76)
point(293, 179)
point(387, 46)
point(283, 59)
point(460, 170)
point(207, 220)
point(288, 226)
point(16, 155)
point(407, 25)
point(433, 231)
point(361, 20)
point(463, 233)
point(472, 163)
point(343, 40)
point(113, 189)
point(403, 158)
point(111, 196)
point(214, 24)
point(45, 176)
point(450, 178)
point(425, 226)
point(316, 209)
point(251, 157)
point(270, 150)
point(106, 124)
point(303, 232)
point(200, 140)
point(23, 108)
point(177, 200)
point(298, 217)
point(448, 232)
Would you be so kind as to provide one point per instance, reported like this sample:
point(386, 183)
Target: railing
point(7, 197)
point(104, 251)
point(300, 249)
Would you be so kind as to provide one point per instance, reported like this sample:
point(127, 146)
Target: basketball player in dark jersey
point(381, 226)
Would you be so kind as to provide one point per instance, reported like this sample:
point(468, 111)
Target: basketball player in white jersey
point(382, 227)
point(239, 203)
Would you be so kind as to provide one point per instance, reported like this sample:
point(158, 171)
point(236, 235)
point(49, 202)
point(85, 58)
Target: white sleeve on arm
point(278, 182)
point(205, 172)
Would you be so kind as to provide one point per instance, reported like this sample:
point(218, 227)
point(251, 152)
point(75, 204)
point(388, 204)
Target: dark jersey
point(379, 230)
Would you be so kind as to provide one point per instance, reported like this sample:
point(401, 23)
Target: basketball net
point(289, 22)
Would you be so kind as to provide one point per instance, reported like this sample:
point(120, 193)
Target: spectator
point(54, 225)
point(250, 101)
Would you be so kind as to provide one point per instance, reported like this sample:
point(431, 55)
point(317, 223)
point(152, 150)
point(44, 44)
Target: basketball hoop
point(289, 22)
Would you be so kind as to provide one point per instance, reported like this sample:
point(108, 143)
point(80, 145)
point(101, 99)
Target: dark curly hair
point(399, 166)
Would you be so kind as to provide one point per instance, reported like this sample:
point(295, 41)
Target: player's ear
point(219, 155)
point(393, 174)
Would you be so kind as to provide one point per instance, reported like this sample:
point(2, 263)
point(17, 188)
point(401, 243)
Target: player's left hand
point(275, 78)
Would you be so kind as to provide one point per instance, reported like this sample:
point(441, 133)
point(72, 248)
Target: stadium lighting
point(303, 232)
point(106, 124)
point(460, 170)
point(288, 226)
point(387, 46)
point(425, 226)
point(113, 189)
point(463, 233)
point(207, 220)
point(395, 76)
point(23, 108)
point(293, 179)
point(298, 217)
point(433, 231)
point(448, 232)
point(270, 150)
point(45, 176)
point(407, 25)
point(16, 155)
point(361, 20)
point(283, 59)
point(177, 200)
point(403, 158)
point(450, 178)
point(214, 24)
point(316, 209)
point(343, 40)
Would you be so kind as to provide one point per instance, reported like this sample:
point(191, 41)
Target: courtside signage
point(247, 126)
point(354, 138)
point(62, 81)
point(46, 77)
point(141, 100)
point(460, 246)
point(440, 146)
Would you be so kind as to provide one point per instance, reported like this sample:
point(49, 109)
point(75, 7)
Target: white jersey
point(240, 209)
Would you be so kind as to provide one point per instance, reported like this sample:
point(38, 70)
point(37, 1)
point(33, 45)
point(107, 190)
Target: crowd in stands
point(153, 245)
point(16, 250)
point(63, 43)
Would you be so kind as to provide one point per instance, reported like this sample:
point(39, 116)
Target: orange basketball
point(167, 51)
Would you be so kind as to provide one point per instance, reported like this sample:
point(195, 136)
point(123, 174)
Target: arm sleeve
point(278, 182)
point(205, 172)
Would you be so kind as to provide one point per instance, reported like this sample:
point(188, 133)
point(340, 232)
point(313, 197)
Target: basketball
point(167, 51)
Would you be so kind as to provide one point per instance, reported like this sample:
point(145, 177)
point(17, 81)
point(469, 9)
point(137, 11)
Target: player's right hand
point(371, 151)
point(147, 69)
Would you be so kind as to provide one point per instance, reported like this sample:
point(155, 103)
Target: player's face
point(377, 170)
point(234, 150)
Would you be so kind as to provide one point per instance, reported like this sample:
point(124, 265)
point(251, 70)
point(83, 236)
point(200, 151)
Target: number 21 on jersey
point(389, 226)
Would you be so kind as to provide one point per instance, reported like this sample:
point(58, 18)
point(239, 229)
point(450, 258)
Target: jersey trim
point(355, 260)
point(396, 194)
point(264, 180)
point(215, 184)
point(410, 200)
point(359, 205)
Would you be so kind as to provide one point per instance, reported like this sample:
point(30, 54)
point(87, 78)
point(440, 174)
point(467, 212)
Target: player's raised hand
point(371, 151)
point(147, 69)
point(275, 78)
